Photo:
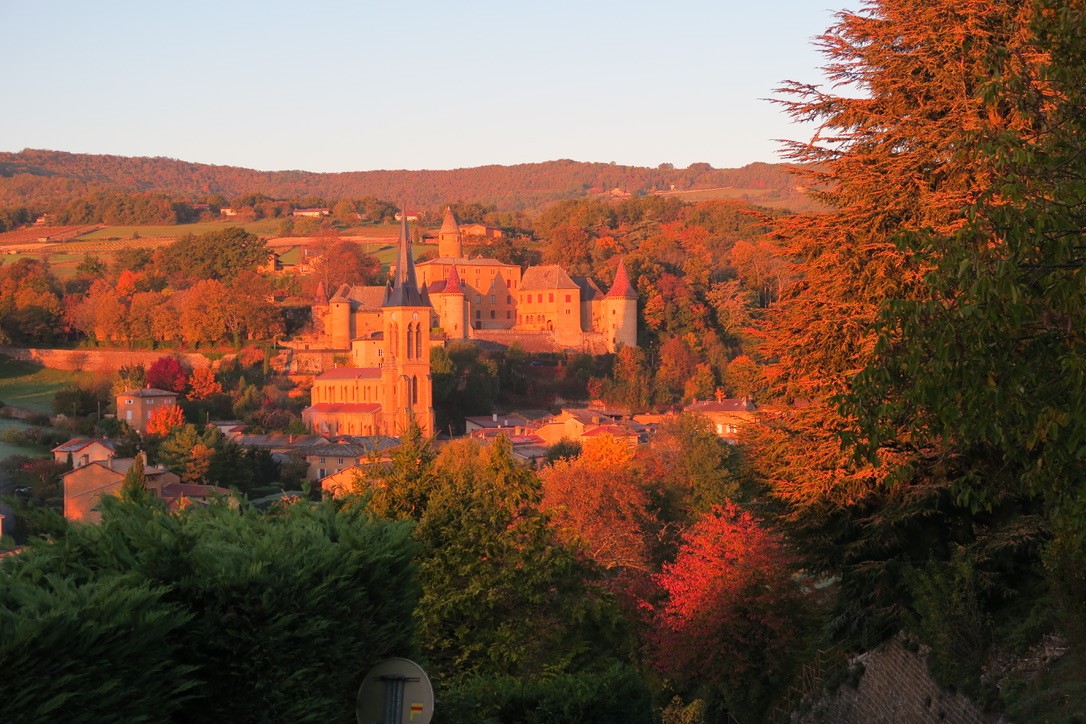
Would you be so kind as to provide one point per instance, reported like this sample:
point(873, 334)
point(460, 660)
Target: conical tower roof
point(403, 286)
point(448, 224)
point(622, 287)
point(320, 296)
point(453, 285)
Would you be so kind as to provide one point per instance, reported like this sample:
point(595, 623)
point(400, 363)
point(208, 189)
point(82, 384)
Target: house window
point(320, 473)
point(492, 314)
point(508, 299)
point(539, 298)
point(478, 297)
point(550, 297)
point(129, 415)
point(508, 314)
point(569, 298)
point(128, 402)
point(322, 461)
point(340, 461)
point(492, 300)
point(478, 314)
point(508, 283)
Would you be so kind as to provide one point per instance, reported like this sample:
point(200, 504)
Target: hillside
point(45, 179)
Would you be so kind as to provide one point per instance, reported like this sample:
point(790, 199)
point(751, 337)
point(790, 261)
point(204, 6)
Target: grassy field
point(264, 227)
point(7, 450)
point(23, 384)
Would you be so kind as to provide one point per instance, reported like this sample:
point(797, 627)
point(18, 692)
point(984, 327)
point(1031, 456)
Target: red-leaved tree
point(731, 613)
point(167, 373)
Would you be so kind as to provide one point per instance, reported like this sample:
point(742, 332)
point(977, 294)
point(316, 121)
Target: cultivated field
point(27, 385)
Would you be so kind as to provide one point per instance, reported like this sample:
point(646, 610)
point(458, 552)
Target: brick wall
point(91, 360)
point(895, 687)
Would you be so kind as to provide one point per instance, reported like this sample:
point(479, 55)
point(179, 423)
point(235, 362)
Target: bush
point(613, 694)
point(272, 616)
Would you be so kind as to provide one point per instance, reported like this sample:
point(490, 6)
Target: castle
point(391, 385)
point(480, 298)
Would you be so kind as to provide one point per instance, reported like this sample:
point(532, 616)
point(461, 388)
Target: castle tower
point(620, 311)
point(339, 319)
point(451, 304)
point(449, 244)
point(405, 375)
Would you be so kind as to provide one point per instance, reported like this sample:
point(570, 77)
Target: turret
point(620, 311)
point(449, 240)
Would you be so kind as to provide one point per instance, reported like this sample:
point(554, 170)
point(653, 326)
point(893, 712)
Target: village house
point(135, 407)
point(85, 485)
point(728, 416)
point(84, 450)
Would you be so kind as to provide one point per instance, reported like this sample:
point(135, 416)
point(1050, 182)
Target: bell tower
point(405, 374)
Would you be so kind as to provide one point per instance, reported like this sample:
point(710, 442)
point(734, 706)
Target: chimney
point(494, 417)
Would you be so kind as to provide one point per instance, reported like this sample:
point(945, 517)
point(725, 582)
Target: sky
point(359, 85)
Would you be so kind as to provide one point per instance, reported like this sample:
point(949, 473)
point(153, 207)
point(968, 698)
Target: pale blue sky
point(333, 85)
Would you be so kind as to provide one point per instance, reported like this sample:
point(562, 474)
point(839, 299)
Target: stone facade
point(480, 298)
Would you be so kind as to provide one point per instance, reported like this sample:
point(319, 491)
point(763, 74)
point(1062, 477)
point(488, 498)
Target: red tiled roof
point(622, 287)
point(344, 407)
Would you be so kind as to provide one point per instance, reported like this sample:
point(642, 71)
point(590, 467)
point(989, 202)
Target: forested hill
point(42, 179)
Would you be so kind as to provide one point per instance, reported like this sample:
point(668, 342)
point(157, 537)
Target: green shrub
point(285, 611)
point(614, 694)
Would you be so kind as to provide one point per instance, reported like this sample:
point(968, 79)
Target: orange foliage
point(202, 384)
point(165, 419)
point(597, 502)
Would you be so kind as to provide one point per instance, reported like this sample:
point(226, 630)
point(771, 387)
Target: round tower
point(339, 322)
point(449, 240)
point(620, 312)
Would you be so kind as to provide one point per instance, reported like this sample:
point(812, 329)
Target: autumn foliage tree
point(202, 384)
point(167, 373)
point(164, 420)
point(731, 614)
point(596, 502)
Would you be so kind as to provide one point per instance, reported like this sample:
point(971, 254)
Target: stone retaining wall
point(895, 687)
point(93, 360)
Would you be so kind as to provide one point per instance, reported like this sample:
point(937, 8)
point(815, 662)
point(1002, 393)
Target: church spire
point(403, 287)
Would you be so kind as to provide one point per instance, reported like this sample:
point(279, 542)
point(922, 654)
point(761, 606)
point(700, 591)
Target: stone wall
point(93, 360)
point(895, 687)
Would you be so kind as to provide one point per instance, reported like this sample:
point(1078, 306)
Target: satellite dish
point(395, 691)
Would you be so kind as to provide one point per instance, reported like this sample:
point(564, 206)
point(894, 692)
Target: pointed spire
point(404, 290)
point(622, 287)
point(321, 295)
point(448, 224)
point(453, 285)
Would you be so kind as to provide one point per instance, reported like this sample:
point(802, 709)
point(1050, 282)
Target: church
point(383, 397)
point(541, 307)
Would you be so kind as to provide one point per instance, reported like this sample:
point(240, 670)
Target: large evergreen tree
point(938, 97)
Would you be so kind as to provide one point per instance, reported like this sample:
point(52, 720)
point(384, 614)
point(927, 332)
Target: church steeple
point(403, 286)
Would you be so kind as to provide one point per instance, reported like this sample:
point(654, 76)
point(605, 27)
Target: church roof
point(463, 261)
point(448, 224)
point(622, 287)
point(344, 407)
point(351, 373)
point(547, 277)
point(371, 297)
point(403, 288)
